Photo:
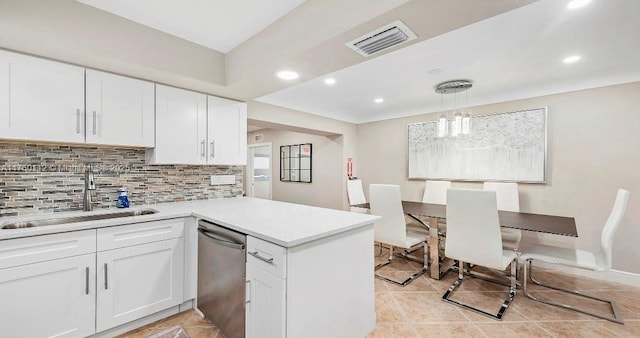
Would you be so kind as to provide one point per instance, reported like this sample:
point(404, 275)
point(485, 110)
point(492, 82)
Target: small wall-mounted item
point(295, 163)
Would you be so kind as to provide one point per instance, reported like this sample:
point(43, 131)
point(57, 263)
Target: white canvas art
point(502, 147)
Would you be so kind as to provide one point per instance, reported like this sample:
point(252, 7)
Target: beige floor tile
point(505, 329)
point(380, 286)
point(585, 329)
point(387, 310)
point(425, 307)
point(628, 302)
point(447, 330)
point(631, 328)
point(392, 331)
point(203, 332)
point(490, 302)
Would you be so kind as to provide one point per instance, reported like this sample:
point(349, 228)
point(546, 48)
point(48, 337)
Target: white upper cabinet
point(193, 128)
point(120, 110)
point(227, 131)
point(40, 100)
point(181, 127)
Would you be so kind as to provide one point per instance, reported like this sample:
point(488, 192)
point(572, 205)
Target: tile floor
point(418, 311)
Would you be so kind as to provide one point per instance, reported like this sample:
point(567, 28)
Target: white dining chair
point(508, 199)
point(473, 236)
point(390, 229)
point(355, 193)
point(579, 259)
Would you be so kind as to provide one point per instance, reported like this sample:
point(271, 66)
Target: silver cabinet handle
point(213, 149)
point(248, 293)
point(202, 148)
point(106, 277)
point(256, 255)
point(94, 122)
point(78, 121)
point(86, 281)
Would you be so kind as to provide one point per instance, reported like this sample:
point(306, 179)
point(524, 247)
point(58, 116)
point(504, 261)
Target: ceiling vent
point(393, 34)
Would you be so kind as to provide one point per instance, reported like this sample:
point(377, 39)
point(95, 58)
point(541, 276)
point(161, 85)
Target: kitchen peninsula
point(318, 284)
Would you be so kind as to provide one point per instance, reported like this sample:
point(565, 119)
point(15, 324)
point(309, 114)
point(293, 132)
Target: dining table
point(434, 213)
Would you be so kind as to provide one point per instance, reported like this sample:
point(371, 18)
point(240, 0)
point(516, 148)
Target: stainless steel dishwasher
point(221, 277)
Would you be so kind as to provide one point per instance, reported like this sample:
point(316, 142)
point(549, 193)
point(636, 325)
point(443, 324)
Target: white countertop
point(285, 224)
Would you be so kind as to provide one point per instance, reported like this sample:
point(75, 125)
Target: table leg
point(434, 248)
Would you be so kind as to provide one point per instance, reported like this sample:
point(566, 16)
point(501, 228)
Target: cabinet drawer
point(268, 256)
point(139, 233)
point(14, 252)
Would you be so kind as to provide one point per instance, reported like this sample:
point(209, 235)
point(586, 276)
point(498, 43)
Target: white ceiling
point(217, 24)
point(514, 55)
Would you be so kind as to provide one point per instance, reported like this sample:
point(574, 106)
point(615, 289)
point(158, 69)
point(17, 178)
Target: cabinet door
point(181, 127)
point(227, 132)
point(265, 308)
point(40, 99)
point(137, 281)
point(120, 110)
point(49, 299)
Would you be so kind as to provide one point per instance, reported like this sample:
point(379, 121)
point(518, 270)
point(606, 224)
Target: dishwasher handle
point(233, 245)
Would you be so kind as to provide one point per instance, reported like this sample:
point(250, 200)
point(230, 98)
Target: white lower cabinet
point(66, 285)
point(49, 299)
point(265, 307)
point(137, 281)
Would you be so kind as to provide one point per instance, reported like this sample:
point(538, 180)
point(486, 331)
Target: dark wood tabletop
point(557, 225)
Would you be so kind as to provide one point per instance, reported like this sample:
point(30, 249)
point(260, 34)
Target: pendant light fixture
point(461, 121)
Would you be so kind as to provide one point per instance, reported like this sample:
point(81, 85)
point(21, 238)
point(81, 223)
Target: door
point(40, 99)
point(181, 127)
point(259, 170)
point(120, 110)
point(227, 132)
point(137, 281)
point(265, 308)
point(49, 299)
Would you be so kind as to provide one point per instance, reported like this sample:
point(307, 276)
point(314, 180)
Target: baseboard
point(616, 276)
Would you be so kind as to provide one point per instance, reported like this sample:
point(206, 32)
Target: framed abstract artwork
point(499, 147)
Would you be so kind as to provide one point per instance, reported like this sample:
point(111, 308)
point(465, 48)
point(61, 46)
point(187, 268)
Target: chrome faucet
point(89, 185)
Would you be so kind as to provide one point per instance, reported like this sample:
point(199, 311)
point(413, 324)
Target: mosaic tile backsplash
point(36, 178)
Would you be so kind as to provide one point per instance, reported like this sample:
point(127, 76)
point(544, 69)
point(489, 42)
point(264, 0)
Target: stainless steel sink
point(76, 219)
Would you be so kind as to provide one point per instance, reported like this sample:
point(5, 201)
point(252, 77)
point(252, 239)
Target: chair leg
point(503, 308)
point(617, 318)
point(405, 282)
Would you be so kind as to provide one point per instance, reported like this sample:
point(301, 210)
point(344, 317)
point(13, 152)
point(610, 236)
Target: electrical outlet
point(223, 179)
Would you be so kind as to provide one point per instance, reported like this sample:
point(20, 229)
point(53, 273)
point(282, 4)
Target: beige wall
point(326, 187)
point(314, 124)
point(593, 140)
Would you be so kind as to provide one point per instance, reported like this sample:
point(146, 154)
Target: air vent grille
point(385, 37)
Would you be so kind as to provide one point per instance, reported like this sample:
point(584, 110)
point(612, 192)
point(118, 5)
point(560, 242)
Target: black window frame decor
point(293, 164)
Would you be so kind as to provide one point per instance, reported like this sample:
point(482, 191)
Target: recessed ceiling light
point(571, 59)
point(287, 75)
point(577, 4)
point(378, 100)
point(330, 81)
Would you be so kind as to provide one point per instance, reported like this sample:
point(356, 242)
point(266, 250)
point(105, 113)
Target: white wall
point(593, 149)
point(70, 31)
point(326, 187)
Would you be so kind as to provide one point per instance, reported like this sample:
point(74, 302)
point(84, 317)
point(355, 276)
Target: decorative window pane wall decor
point(295, 163)
point(502, 147)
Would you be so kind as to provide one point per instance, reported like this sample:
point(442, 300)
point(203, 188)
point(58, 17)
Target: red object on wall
point(349, 167)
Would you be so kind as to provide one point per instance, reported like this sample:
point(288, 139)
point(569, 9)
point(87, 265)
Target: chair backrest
point(610, 227)
point(435, 192)
point(473, 228)
point(385, 201)
point(506, 195)
point(355, 192)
